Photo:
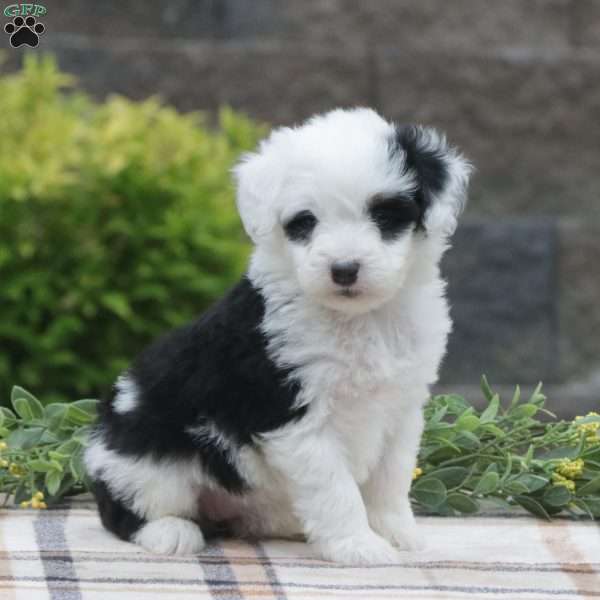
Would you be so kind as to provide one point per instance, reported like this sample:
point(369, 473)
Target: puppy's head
point(344, 204)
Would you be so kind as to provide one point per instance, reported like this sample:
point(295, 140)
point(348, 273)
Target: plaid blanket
point(64, 554)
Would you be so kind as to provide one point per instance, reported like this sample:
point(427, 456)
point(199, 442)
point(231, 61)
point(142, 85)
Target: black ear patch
point(425, 156)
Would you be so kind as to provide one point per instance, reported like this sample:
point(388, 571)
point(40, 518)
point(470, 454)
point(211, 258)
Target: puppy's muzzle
point(345, 273)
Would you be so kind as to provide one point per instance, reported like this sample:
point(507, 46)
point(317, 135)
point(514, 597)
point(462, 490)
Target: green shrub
point(117, 222)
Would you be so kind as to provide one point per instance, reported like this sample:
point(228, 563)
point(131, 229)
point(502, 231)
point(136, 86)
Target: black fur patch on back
point(424, 157)
point(213, 372)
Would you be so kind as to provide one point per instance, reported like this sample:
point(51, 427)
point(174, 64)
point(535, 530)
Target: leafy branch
point(507, 456)
point(41, 448)
point(504, 455)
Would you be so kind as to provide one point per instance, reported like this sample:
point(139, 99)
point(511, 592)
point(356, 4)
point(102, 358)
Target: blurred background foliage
point(117, 222)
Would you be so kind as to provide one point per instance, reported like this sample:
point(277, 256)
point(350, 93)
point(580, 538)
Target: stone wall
point(515, 83)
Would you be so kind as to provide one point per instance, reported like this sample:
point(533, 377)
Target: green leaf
point(48, 438)
point(8, 417)
point(507, 470)
point(537, 397)
point(26, 405)
point(59, 456)
point(78, 416)
point(450, 476)
point(531, 482)
point(592, 503)
point(439, 426)
point(456, 404)
point(52, 481)
point(437, 454)
point(493, 429)
point(88, 406)
point(467, 423)
point(443, 510)
point(562, 452)
point(463, 503)
point(491, 411)
point(496, 501)
point(77, 466)
point(81, 436)
point(41, 466)
point(429, 492)
point(23, 439)
point(557, 496)
point(486, 389)
point(515, 399)
point(437, 416)
point(524, 411)
point(584, 507)
point(591, 487)
point(54, 415)
point(488, 483)
point(23, 409)
point(467, 440)
point(515, 487)
point(533, 506)
point(68, 447)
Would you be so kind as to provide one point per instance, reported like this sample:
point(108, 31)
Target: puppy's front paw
point(360, 549)
point(170, 535)
point(400, 530)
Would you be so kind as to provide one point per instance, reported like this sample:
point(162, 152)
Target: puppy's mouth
point(348, 292)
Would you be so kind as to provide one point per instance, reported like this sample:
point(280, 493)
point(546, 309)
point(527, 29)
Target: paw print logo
point(24, 31)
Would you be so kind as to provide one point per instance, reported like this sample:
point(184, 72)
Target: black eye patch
point(394, 215)
point(300, 226)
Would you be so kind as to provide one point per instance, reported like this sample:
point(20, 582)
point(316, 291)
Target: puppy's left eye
point(300, 226)
point(394, 215)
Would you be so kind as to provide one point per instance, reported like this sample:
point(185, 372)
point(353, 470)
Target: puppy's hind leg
point(164, 535)
point(151, 503)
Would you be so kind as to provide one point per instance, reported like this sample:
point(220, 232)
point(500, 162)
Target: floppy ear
point(259, 179)
point(440, 172)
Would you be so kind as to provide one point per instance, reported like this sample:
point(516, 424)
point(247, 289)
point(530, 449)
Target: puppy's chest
point(364, 399)
point(369, 356)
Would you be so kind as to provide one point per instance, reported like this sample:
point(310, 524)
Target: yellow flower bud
point(417, 472)
point(24, 504)
point(16, 470)
point(43, 505)
point(570, 469)
point(590, 429)
point(3, 446)
point(38, 496)
point(558, 479)
point(35, 503)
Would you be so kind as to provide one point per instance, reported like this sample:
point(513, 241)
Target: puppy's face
point(341, 204)
point(350, 255)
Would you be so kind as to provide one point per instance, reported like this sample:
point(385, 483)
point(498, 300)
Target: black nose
point(345, 273)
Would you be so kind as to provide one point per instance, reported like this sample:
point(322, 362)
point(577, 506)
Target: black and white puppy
point(294, 405)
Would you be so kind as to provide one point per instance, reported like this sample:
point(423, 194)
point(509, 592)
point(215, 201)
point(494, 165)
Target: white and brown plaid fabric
point(64, 554)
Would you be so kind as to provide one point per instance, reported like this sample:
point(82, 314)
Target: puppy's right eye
point(300, 226)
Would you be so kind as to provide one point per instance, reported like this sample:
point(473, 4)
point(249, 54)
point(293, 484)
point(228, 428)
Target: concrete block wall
point(514, 83)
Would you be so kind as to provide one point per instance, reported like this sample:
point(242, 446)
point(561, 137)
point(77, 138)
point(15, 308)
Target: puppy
point(294, 405)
